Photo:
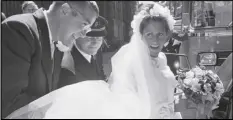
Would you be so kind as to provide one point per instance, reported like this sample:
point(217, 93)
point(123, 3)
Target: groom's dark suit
point(26, 60)
point(82, 69)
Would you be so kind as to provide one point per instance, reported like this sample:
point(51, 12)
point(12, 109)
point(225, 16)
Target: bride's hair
point(148, 10)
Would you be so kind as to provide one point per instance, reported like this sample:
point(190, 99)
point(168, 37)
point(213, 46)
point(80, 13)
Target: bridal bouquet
point(203, 87)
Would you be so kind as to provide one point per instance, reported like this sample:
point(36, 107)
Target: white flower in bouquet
point(199, 73)
point(196, 87)
point(203, 93)
point(210, 71)
point(195, 81)
point(204, 80)
point(218, 91)
point(219, 86)
point(207, 88)
point(217, 95)
point(189, 74)
point(216, 78)
point(188, 81)
point(210, 74)
point(210, 98)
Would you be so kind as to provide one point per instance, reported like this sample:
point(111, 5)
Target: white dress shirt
point(50, 35)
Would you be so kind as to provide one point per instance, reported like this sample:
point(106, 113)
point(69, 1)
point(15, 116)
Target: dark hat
point(98, 29)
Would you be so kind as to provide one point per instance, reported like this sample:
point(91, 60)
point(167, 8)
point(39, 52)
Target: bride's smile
point(154, 34)
point(154, 46)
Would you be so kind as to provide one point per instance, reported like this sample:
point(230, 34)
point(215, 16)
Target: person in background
point(29, 7)
point(84, 61)
point(173, 46)
point(3, 16)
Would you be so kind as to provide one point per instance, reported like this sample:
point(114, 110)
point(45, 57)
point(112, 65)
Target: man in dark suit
point(84, 61)
point(30, 59)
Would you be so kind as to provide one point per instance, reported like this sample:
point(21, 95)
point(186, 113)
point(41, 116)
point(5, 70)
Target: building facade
point(119, 15)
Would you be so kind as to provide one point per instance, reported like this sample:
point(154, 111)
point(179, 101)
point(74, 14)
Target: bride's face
point(155, 35)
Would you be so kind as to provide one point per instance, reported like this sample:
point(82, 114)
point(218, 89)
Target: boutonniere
point(61, 47)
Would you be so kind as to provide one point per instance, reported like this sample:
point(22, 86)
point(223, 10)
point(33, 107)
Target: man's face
point(89, 45)
point(75, 20)
point(31, 8)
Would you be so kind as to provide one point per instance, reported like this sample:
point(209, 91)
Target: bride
point(141, 84)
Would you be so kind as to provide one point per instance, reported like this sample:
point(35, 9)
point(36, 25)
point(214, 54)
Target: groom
point(83, 62)
point(30, 56)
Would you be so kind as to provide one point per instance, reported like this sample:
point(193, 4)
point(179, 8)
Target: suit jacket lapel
point(45, 44)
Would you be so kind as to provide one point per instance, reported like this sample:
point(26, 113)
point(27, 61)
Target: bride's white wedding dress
point(138, 87)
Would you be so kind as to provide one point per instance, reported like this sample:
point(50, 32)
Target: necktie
point(93, 63)
point(92, 60)
point(57, 58)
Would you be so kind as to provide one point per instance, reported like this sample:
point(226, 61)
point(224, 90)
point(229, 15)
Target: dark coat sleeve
point(17, 49)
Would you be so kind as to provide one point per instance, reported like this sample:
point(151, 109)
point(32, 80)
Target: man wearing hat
point(84, 61)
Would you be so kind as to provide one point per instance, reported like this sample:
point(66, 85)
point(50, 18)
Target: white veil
point(143, 74)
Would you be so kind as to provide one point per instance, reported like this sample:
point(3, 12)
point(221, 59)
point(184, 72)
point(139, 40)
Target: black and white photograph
point(116, 59)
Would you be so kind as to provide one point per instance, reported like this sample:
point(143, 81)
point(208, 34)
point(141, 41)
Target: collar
point(85, 55)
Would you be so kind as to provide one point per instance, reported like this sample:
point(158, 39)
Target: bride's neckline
point(155, 61)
